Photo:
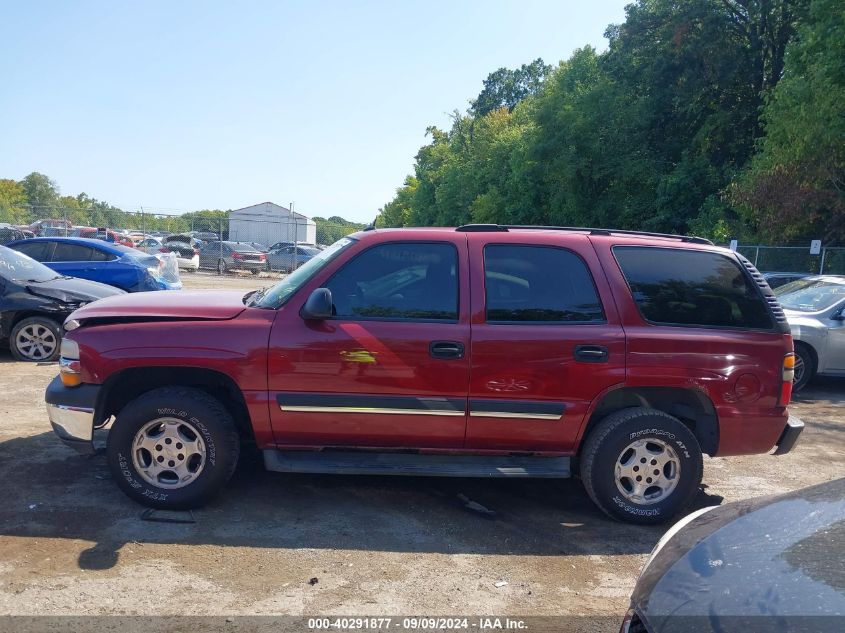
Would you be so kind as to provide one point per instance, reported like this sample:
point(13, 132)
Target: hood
point(165, 305)
point(72, 290)
point(775, 556)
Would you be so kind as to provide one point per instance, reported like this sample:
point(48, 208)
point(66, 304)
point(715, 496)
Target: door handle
point(446, 349)
point(591, 353)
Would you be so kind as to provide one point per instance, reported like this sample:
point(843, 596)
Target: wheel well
point(691, 407)
point(128, 384)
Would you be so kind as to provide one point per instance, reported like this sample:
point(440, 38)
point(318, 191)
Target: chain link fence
point(203, 241)
point(796, 259)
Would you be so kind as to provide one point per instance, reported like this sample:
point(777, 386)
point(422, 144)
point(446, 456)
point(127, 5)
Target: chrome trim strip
point(514, 415)
point(374, 410)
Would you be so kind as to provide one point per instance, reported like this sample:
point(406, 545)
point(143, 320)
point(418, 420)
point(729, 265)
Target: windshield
point(276, 296)
point(810, 295)
point(19, 268)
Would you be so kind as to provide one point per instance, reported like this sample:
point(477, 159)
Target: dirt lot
point(70, 543)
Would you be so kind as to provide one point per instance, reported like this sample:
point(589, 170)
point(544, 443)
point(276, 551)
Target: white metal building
point(269, 223)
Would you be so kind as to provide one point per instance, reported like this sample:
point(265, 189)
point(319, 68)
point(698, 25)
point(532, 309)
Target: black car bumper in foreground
point(789, 437)
point(71, 413)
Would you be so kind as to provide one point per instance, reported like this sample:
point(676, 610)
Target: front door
point(391, 368)
point(546, 340)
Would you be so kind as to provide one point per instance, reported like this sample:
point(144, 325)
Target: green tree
point(795, 187)
point(505, 87)
point(13, 202)
point(42, 194)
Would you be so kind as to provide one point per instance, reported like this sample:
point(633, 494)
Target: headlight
point(70, 325)
point(672, 531)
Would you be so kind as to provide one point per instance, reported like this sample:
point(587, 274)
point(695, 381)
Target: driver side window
point(399, 281)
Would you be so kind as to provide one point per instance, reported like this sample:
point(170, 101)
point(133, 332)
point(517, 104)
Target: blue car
point(120, 266)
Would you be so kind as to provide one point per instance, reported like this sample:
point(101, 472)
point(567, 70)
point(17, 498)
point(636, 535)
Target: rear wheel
point(641, 465)
point(805, 367)
point(173, 448)
point(35, 339)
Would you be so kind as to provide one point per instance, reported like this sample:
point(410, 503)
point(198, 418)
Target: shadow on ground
point(50, 492)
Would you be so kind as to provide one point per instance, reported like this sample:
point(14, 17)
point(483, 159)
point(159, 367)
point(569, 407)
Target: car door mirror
point(318, 306)
point(838, 316)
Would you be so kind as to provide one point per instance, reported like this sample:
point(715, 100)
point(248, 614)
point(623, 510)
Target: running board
point(414, 464)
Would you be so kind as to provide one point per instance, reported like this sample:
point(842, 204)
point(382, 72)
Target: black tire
point(47, 332)
point(255, 271)
point(222, 268)
point(604, 447)
point(214, 426)
point(803, 354)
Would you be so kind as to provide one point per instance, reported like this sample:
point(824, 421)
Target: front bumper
point(71, 411)
point(789, 437)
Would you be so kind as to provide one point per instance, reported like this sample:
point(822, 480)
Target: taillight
point(196, 251)
point(787, 376)
point(262, 257)
point(237, 255)
point(164, 249)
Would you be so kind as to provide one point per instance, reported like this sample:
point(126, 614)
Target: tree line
point(722, 118)
point(37, 197)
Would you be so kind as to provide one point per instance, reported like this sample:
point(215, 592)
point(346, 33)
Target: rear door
point(546, 340)
point(391, 368)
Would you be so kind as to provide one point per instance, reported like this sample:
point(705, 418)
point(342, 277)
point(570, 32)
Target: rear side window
point(538, 284)
point(39, 251)
point(687, 287)
point(101, 256)
point(66, 252)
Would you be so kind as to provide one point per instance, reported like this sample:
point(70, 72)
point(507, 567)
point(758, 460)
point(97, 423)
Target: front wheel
point(35, 339)
point(805, 367)
point(173, 448)
point(641, 465)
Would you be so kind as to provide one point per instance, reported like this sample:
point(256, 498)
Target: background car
point(120, 266)
point(184, 247)
point(9, 233)
point(35, 301)
point(224, 256)
point(815, 309)
point(205, 236)
point(104, 234)
point(289, 258)
point(767, 564)
point(776, 280)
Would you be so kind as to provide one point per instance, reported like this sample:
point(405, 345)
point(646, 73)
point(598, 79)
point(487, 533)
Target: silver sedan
point(815, 309)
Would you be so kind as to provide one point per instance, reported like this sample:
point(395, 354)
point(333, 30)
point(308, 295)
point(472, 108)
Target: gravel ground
point(71, 543)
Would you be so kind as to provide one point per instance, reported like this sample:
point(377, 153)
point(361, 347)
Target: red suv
point(481, 351)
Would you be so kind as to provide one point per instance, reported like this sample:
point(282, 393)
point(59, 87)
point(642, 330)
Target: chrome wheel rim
point(168, 453)
point(36, 342)
point(798, 370)
point(647, 471)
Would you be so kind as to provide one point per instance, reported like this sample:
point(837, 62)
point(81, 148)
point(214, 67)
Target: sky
point(178, 106)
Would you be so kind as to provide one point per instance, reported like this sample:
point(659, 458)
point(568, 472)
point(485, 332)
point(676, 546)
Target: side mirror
point(838, 316)
point(318, 307)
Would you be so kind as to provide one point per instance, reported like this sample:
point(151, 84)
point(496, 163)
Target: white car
point(187, 257)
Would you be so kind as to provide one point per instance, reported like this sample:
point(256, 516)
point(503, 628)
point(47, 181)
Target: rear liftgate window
point(693, 288)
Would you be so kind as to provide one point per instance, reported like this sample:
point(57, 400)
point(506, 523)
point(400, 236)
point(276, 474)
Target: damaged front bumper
point(72, 411)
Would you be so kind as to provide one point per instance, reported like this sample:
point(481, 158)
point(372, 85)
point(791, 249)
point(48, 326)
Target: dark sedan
point(767, 564)
point(35, 301)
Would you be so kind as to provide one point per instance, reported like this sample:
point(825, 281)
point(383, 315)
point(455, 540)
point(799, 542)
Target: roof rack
point(479, 228)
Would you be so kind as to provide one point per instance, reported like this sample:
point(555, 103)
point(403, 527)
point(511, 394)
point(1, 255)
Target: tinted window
point(66, 252)
point(538, 284)
point(686, 287)
point(101, 256)
point(39, 251)
point(399, 281)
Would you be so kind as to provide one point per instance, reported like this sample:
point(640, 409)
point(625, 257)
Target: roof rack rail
point(482, 228)
point(692, 239)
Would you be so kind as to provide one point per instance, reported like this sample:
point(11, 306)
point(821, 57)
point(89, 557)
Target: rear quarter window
point(692, 288)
